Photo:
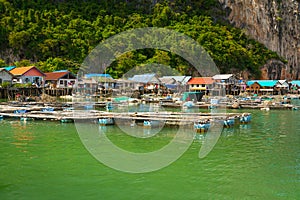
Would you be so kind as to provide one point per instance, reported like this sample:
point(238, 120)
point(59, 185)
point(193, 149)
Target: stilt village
point(144, 99)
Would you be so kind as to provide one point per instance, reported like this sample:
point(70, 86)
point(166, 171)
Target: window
point(37, 80)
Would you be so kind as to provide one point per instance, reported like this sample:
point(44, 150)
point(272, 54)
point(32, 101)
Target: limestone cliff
point(276, 24)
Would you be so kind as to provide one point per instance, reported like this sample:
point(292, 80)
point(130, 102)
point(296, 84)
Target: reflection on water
point(245, 126)
point(22, 134)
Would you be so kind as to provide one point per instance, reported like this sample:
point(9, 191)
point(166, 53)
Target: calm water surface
point(46, 160)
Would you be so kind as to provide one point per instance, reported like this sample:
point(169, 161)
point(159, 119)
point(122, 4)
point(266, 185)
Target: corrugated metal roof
point(97, 75)
point(18, 71)
point(282, 81)
point(54, 76)
point(104, 79)
point(145, 78)
point(222, 76)
point(167, 80)
point(297, 82)
point(263, 83)
point(63, 70)
point(267, 83)
point(182, 79)
point(9, 68)
point(201, 80)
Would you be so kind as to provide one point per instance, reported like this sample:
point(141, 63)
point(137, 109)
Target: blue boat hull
point(106, 121)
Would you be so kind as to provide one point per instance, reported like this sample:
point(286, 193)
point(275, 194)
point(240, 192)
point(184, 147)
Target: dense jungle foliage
point(59, 34)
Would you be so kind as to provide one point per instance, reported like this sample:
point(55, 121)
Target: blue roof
point(9, 68)
point(171, 86)
point(263, 83)
point(98, 75)
point(296, 82)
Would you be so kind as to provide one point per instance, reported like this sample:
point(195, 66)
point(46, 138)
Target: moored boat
point(228, 123)
point(106, 121)
point(245, 118)
point(188, 104)
point(201, 127)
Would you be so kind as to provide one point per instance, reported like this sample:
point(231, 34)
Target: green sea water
point(46, 160)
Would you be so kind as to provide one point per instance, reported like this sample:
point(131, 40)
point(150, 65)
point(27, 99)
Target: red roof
point(54, 76)
point(201, 80)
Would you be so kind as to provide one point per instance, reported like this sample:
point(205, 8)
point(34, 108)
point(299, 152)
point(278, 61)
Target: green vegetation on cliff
point(59, 34)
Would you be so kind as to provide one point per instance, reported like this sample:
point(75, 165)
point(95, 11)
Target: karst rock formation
point(276, 24)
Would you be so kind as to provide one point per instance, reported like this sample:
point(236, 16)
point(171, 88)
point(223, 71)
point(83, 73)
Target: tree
point(2, 63)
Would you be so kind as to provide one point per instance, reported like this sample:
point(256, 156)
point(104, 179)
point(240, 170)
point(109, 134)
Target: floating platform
point(148, 119)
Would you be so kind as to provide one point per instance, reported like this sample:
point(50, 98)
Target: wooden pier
point(240, 106)
point(170, 118)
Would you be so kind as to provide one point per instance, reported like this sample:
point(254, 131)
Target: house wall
point(127, 85)
point(31, 79)
point(194, 87)
point(254, 86)
point(5, 77)
point(108, 85)
point(65, 83)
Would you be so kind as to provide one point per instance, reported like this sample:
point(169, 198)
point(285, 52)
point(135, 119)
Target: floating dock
point(169, 118)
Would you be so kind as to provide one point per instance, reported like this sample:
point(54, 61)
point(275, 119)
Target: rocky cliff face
point(276, 24)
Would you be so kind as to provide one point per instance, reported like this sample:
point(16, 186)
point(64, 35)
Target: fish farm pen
point(200, 121)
